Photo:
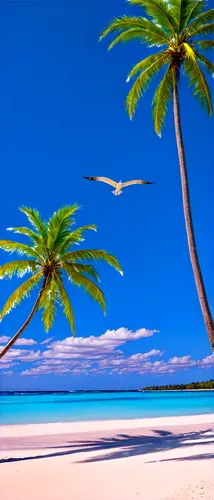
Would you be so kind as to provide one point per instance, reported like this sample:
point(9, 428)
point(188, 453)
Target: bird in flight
point(117, 185)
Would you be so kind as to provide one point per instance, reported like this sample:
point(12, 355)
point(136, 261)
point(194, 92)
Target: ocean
point(75, 406)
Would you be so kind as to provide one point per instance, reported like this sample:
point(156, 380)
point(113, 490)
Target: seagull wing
point(102, 179)
point(130, 183)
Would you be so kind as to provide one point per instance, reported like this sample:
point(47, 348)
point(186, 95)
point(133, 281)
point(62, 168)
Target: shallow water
point(41, 408)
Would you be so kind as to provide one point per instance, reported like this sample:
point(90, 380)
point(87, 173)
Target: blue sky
point(63, 117)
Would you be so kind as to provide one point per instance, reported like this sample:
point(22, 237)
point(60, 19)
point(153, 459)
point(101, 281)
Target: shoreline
point(42, 429)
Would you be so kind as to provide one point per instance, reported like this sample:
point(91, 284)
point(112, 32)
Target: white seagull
point(117, 185)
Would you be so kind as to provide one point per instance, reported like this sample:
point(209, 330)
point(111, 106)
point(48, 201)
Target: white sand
point(148, 459)
point(66, 427)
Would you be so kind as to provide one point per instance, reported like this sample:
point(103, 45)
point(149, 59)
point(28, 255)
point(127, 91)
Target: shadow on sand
point(125, 445)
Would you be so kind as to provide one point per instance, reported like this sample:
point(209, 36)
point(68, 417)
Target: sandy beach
point(150, 459)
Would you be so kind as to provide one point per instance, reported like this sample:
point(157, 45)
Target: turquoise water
point(41, 408)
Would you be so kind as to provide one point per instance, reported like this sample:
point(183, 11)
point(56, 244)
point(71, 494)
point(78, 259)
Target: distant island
point(209, 384)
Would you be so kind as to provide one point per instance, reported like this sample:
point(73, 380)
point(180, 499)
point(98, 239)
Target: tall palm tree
point(50, 258)
point(178, 27)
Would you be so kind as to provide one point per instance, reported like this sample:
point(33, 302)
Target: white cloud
point(97, 355)
point(145, 355)
point(46, 370)
point(20, 355)
point(132, 364)
point(11, 355)
point(47, 341)
point(96, 371)
point(208, 361)
point(58, 367)
point(95, 347)
point(21, 341)
point(181, 361)
point(3, 366)
point(4, 339)
point(31, 356)
point(139, 363)
point(136, 364)
point(124, 335)
point(78, 371)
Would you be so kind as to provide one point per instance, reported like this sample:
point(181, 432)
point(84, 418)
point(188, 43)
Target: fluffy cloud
point(20, 355)
point(46, 370)
point(73, 354)
point(145, 355)
point(135, 364)
point(95, 356)
point(58, 367)
point(139, 363)
point(95, 347)
point(180, 361)
point(6, 365)
point(208, 361)
point(4, 339)
point(21, 341)
point(12, 354)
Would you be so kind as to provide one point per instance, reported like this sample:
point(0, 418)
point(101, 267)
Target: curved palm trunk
point(17, 335)
point(188, 217)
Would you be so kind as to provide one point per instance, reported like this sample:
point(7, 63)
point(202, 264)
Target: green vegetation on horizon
point(179, 30)
point(209, 384)
point(48, 258)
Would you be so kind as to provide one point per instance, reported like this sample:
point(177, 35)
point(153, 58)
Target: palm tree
point(178, 27)
point(49, 256)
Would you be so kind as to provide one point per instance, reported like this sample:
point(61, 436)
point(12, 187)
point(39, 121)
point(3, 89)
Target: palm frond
point(35, 238)
point(142, 36)
point(60, 224)
point(176, 8)
point(74, 238)
point(84, 268)
point(143, 25)
point(160, 12)
point(82, 255)
point(89, 286)
point(202, 19)
point(20, 293)
point(142, 83)
point(67, 308)
point(20, 248)
point(161, 99)
point(19, 268)
point(195, 8)
point(205, 44)
point(197, 79)
point(209, 66)
point(119, 24)
point(185, 10)
point(145, 63)
point(48, 302)
point(206, 29)
point(36, 220)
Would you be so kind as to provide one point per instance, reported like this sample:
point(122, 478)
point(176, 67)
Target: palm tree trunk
point(17, 335)
point(188, 217)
